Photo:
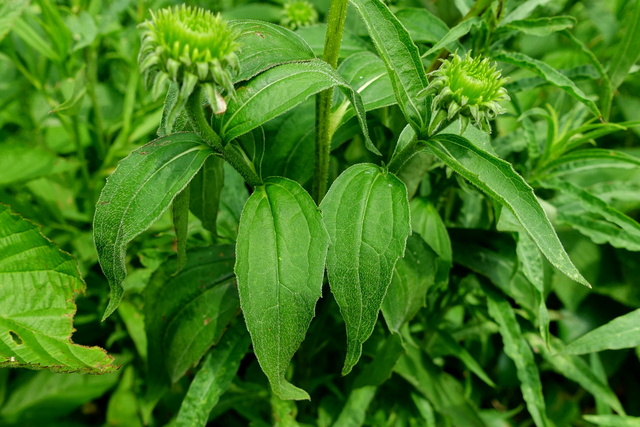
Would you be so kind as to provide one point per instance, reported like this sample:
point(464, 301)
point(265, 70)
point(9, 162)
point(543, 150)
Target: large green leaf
point(400, 56)
point(621, 332)
point(281, 250)
point(426, 221)
point(550, 74)
point(186, 313)
point(498, 179)
point(264, 45)
point(518, 350)
point(278, 90)
point(38, 285)
point(413, 275)
point(140, 189)
point(366, 212)
point(214, 377)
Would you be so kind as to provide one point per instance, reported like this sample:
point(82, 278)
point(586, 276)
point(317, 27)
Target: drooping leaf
point(278, 90)
point(214, 377)
point(550, 74)
point(518, 350)
point(498, 179)
point(38, 285)
point(400, 56)
point(621, 332)
point(140, 189)
point(281, 249)
point(186, 313)
point(367, 216)
point(587, 160)
point(413, 275)
point(264, 45)
point(541, 27)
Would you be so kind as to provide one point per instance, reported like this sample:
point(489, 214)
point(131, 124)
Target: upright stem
point(230, 153)
point(335, 28)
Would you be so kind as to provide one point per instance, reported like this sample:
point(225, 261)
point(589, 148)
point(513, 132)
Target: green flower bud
point(467, 87)
point(189, 46)
point(298, 13)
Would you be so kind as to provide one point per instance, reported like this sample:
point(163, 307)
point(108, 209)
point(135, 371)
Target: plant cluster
point(403, 215)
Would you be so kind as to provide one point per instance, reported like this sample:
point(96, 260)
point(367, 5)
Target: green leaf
point(10, 11)
point(38, 285)
point(613, 420)
point(42, 396)
point(442, 390)
point(498, 179)
point(628, 50)
point(541, 27)
point(366, 73)
point(281, 251)
point(516, 347)
point(576, 369)
point(21, 161)
point(380, 369)
point(617, 229)
point(315, 36)
point(265, 45)
point(459, 352)
point(413, 275)
point(278, 90)
point(214, 377)
point(180, 216)
point(587, 160)
point(186, 313)
point(523, 11)
point(455, 33)
point(366, 212)
point(205, 192)
point(400, 56)
point(140, 189)
point(621, 332)
point(550, 74)
point(423, 26)
point(426, 221)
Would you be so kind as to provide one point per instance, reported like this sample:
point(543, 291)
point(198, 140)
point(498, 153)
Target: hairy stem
point(335, 27)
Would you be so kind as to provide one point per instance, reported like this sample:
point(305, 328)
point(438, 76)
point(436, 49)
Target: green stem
point(231, 153)
point(335, 28)
point(404, 155)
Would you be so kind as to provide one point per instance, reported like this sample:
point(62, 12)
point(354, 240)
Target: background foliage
point(478, 328)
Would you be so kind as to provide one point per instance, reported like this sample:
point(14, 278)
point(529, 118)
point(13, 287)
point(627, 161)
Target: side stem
point(231, 153)
point(335, 28)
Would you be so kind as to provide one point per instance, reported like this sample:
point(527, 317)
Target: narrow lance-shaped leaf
point(516, 347)
point(366, 212)
point(278, 90)
point(400, 56)
point(497, 178)
point(281, 250)
point(621, 332)
point(38, 284)
point(140, 189)
point(214, 377)
point(550, 74)
point(455, 33)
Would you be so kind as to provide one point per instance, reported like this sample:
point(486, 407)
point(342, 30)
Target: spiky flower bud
point(469, 87)
point(189, 46)
point(299, 13)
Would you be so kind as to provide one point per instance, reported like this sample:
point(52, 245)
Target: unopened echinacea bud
point(189, 46)
point(299, 13)
point(469, 87)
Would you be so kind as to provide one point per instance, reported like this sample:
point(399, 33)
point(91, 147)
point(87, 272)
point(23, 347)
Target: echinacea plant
point(189, 46)
point(298, 13)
